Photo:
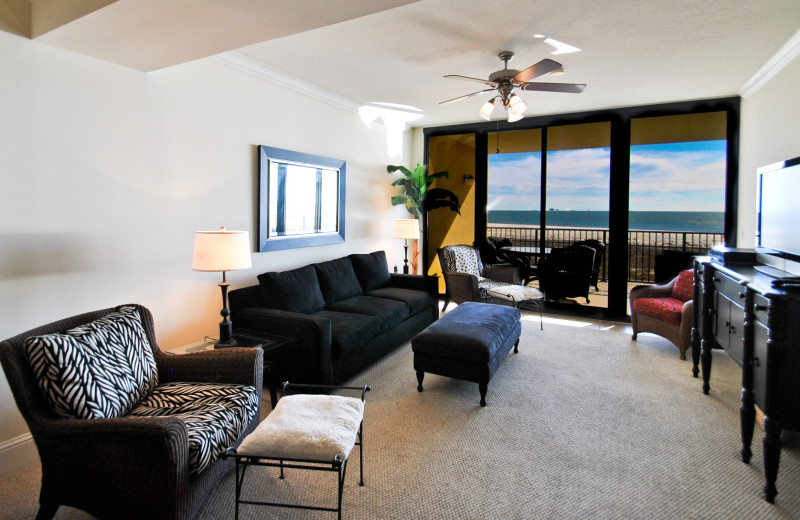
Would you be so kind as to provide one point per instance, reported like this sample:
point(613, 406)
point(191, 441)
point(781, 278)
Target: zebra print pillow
point(98, 370)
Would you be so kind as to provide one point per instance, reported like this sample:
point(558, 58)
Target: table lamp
point(224, 251)
point(406, 228)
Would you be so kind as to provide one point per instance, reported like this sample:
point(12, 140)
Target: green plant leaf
point(401, 169)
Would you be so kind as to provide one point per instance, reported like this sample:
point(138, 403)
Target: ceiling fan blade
point(467, 96)
point(571, 88)
point(534, 71)
point(485, 82)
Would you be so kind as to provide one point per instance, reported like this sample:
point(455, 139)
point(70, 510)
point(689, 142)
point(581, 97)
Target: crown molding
point(788, 52)
point(258, 69)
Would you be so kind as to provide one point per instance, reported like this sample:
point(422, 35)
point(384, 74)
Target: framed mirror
point(300, 201)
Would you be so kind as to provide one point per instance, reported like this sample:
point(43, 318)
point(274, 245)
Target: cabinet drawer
point(760, 308)
point(729, 287)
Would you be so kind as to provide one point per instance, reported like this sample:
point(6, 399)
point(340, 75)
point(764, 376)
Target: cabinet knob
point(727, 324)
point(756, 362)
point(741, 294)
point(715, 279)
point(732, 329)
point(761, 307)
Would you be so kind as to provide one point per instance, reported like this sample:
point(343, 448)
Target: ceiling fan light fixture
point(487, 109)
point(516, 108)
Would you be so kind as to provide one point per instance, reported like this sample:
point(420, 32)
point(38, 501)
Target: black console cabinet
point(757, 322)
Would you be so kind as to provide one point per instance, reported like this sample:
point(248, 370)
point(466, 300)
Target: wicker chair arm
point(125, 446)
point(242, 366)
point(503, 273)
point(651, 291)
point(461, 287)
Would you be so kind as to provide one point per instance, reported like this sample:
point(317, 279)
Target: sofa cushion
point(417, 301)
point(296, 290)
point(98, 370)
point(684, 286)
point(350, 331)
point(215, 415)
point(337, 280)
point(389, 312)
point(663, 309)
point(372, 270)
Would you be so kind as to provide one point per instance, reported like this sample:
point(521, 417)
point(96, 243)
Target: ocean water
point(701, 221)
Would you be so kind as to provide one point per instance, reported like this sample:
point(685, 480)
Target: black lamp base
point(226, 344)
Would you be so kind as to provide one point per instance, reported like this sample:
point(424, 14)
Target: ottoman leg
point(516, 350)
point(483, 389)
point(420, 375)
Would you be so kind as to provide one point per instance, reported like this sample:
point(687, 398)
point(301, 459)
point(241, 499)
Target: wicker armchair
point(665, 310)
point(125, 467)
point(466, 278)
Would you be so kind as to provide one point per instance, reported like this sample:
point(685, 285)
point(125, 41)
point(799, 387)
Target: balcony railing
point(643, 246)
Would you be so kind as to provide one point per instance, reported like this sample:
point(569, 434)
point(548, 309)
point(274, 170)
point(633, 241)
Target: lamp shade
point(516, 108)
point(486, 110)
point(407, 228)
point(221, 250)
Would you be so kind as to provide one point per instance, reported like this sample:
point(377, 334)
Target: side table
point(246, 339)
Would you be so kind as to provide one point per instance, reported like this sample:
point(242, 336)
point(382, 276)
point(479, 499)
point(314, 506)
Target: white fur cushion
point(516, 293)
point(311, 427)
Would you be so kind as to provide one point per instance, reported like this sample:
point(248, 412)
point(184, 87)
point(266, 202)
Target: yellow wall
point(456, 155)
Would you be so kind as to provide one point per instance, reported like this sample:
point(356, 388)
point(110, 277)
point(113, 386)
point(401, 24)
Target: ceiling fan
point(506, 80)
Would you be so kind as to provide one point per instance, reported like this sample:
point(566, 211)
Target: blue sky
point(664, 177)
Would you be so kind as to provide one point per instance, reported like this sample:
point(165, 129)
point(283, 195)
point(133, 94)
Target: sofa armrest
point(243, 366)
point(307, 359)
point(416, 282)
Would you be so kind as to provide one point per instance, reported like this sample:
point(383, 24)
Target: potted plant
point(419, 197)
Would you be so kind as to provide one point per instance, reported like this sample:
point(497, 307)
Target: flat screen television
point(778, 225)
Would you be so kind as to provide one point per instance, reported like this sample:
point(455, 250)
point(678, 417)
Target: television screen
point(779, 210)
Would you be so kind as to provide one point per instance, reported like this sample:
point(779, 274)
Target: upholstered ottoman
point(468, 343)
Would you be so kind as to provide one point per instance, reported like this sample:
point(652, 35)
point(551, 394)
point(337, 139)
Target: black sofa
point(343, 315)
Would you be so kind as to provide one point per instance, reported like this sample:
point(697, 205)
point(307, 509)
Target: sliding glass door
point(678, 168)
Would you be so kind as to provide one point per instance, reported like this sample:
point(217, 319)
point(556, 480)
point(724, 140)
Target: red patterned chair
point(665, 310)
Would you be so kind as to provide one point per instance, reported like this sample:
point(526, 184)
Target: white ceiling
point(633, 52)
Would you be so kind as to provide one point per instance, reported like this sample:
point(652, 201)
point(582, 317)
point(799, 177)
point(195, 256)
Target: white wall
point(108, 172)
point(770, 132)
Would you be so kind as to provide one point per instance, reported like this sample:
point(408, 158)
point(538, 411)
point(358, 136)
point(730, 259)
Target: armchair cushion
point(372, 270)
point(684, 286)
point(296, 290)
point(97, 370)
point(463, 259)
point(664, 309)
point(214, 414)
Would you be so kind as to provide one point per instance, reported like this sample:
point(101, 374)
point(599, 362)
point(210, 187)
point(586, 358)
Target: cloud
point(664, 177)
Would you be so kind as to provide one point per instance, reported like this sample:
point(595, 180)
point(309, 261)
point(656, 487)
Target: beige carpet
point(581, 423)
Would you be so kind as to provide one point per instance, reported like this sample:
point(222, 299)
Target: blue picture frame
point(301, 199)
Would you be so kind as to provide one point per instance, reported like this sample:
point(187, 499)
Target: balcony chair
point(566, 272)
point(599, 255)
point(492, 253)
point(466, 278)
point(665, 310)
point(120, 433)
